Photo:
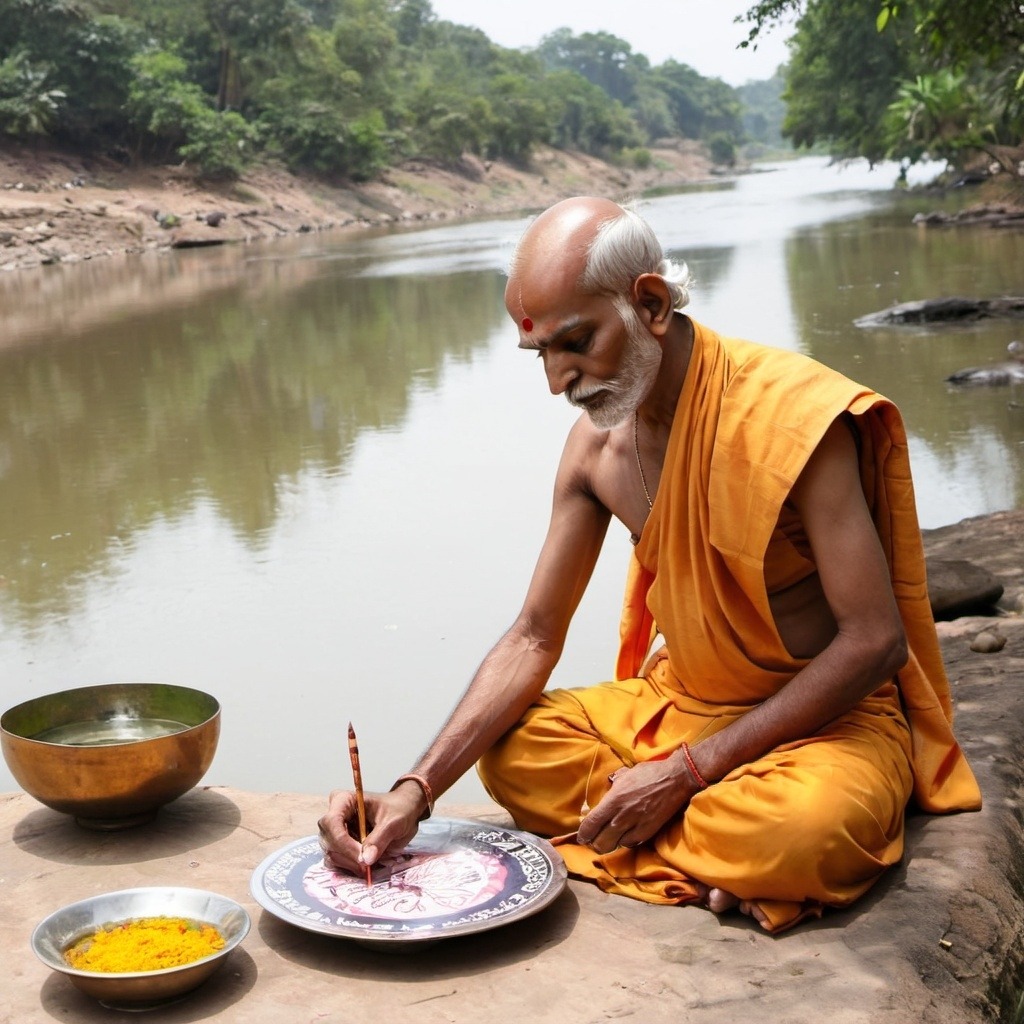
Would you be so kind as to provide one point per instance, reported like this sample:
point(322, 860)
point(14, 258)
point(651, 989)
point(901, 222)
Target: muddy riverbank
point(61, 208)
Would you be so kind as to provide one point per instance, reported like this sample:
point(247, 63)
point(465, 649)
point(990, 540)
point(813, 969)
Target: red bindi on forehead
point(527, 324)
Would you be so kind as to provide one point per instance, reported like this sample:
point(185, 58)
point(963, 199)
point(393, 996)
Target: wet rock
point(955, 309)
point(190, 240)
point(1010, 371)
point(957, 587)
point(214, 218)
point(996, 215)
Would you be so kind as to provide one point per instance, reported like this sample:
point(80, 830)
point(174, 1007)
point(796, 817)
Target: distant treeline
point(338, 87)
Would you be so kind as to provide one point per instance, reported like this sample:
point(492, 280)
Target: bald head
point(565, 231)
point(586, 246)
point(552, 253)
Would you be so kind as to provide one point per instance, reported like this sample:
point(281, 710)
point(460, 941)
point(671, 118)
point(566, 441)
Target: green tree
point(601, 58)
point(841, 78)
point(584, 117)
point(313, 115)
point(521, 118)
point(29, 105)
point(174, 117)
point(901, 65)
point(700, 107)
point(67, 48)
point(365, 41)
point(412, 19)
point(764, 110)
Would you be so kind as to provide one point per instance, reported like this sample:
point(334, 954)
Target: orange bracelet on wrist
point(698, 778)
point(428, 793)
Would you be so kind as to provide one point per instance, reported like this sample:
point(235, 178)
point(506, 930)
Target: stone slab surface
point(940, 939)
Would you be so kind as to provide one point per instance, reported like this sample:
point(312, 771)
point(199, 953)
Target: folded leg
point(810, 824)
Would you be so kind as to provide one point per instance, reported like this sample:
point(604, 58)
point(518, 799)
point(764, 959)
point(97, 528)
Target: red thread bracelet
point(424, 785)
point(693, 768)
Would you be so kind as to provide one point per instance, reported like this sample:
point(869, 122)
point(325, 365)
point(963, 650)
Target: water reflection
point(226, 398)
point(969, 443)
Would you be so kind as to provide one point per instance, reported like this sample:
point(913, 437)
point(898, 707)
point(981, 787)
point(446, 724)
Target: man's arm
point(509, 679)
point(868, 648)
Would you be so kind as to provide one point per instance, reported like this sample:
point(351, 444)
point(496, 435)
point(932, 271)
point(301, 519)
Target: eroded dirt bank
point(58, 208)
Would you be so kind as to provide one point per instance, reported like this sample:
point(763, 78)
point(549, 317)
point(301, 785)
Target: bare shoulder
point(599, 467)
point(583, 459)
point(831, 478)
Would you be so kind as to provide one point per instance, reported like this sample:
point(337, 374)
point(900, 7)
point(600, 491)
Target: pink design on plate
point(412, 886)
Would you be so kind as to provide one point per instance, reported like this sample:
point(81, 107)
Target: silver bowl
point(139, 989)
point(111, 755)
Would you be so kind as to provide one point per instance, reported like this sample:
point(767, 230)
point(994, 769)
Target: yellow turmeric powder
point(145, 944)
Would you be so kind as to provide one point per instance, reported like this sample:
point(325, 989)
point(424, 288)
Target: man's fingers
point(605, 836)
point(594, 831)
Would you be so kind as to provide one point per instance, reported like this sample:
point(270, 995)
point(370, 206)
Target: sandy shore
point(59, 208)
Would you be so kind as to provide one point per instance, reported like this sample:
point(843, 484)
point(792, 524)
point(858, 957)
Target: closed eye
point(580, 345)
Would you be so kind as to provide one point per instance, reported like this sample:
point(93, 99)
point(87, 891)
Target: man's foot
point(718, 901)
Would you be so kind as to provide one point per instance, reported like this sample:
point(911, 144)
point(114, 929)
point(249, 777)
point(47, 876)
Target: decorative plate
point(454, 878)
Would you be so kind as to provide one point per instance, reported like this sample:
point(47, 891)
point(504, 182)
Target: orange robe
point(814, 822)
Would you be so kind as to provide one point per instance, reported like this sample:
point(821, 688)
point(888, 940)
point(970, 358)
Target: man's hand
point(392, 818)
point(642, 799)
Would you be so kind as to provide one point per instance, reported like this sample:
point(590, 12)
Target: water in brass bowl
point(111, 755)
point(139, 990)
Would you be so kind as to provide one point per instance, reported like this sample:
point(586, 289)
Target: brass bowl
point(139, 990)
point(111, 755)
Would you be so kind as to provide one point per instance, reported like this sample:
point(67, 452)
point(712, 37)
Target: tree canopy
point(338, 87)
point(904, 79)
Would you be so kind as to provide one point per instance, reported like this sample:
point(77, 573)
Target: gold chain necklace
point(639, 464)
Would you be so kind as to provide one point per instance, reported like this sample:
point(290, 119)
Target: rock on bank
point(58, 208)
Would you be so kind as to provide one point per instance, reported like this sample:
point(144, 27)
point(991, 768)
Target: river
point(311, 476)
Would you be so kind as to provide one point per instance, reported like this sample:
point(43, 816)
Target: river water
point(311, 477)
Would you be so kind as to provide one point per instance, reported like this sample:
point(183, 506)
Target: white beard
point(623, 394)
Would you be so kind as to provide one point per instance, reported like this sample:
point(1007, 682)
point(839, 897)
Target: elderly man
point(764, 755)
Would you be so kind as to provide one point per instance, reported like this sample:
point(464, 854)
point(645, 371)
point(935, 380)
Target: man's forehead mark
point(527, 324)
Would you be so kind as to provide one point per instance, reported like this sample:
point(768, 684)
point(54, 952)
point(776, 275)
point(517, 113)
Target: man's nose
point(559, 371)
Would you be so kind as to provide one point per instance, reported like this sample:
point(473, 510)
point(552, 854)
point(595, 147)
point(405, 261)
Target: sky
point(700, 33)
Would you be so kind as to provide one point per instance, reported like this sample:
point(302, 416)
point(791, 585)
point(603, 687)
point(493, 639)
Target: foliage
point(669, 100)
point(75, 67)
point(700, 107)
point(318, 137)
point(601, 58)
point(764, 110)
point(939, 77)
point(28, 105)
point(173, 117)
point(337, 87)
point(218, 144)
point(723, 151)
point(934, 117)
point(842, 76)
point(583, 118)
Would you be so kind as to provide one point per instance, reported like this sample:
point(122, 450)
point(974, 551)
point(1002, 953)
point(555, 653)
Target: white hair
point(625, 247)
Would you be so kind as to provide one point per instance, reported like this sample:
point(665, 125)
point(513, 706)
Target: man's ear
point(653, 301)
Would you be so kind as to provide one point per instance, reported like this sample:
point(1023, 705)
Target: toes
point(720, 901)
point(751, 909)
